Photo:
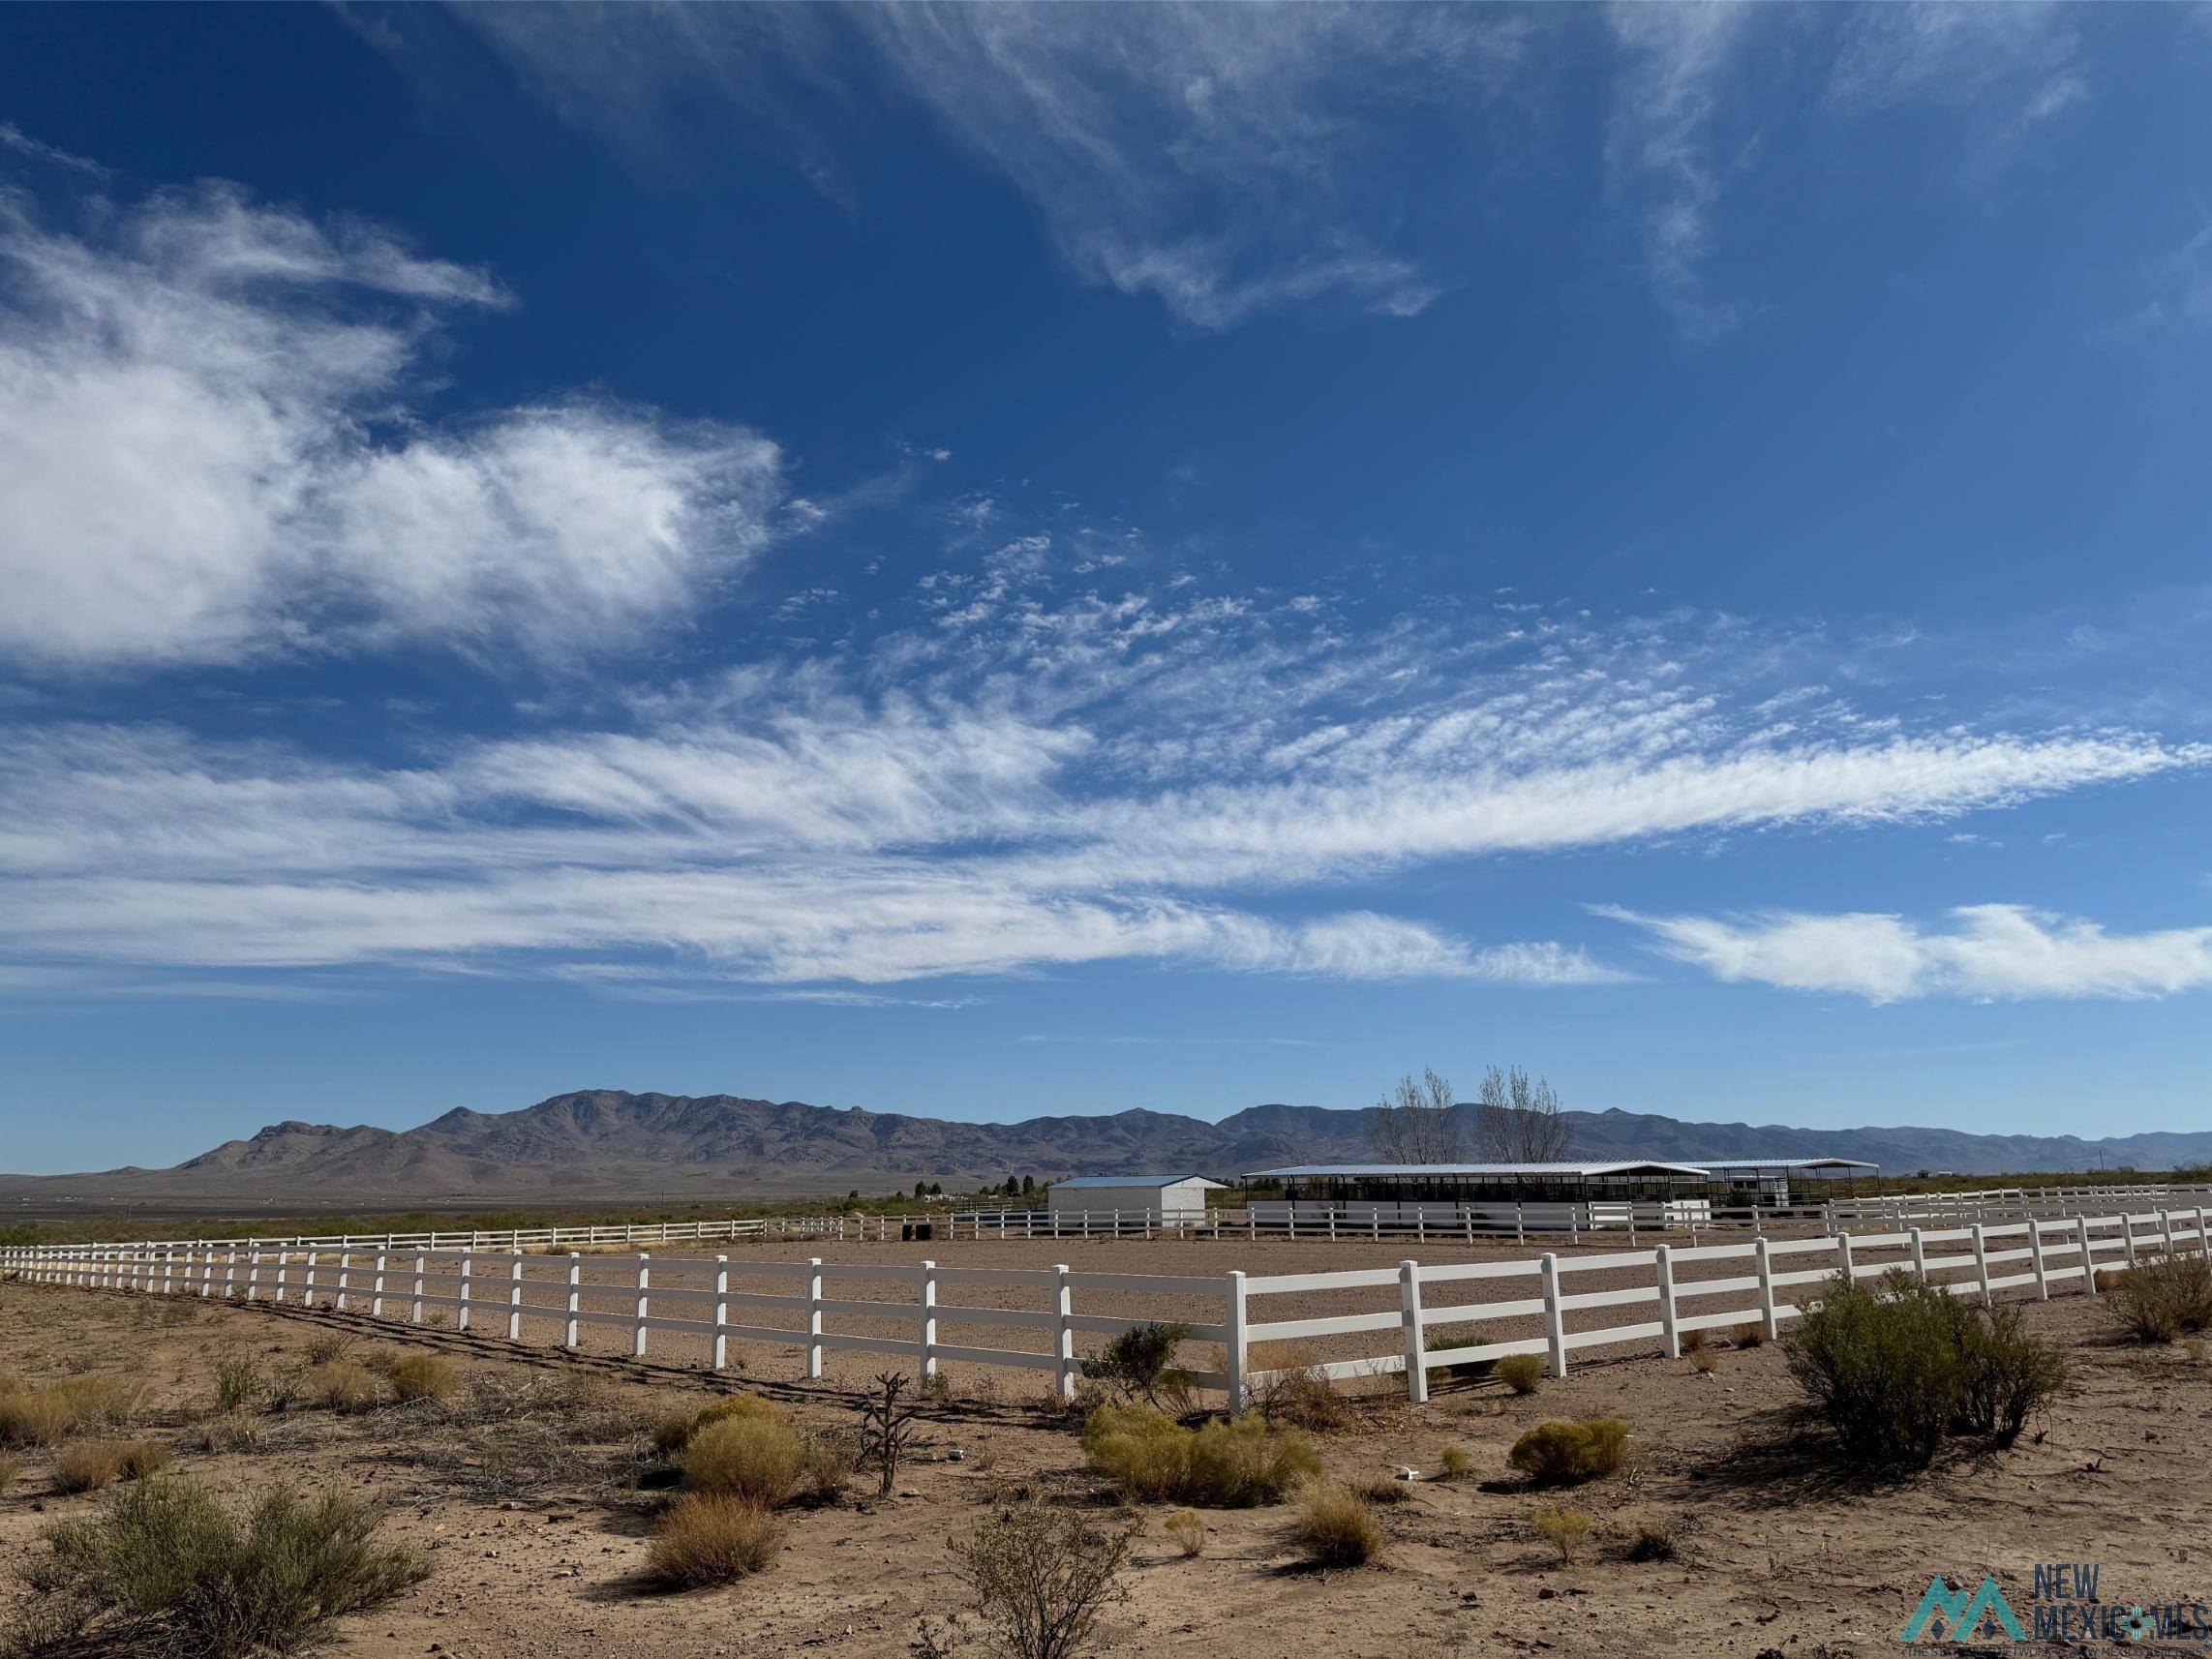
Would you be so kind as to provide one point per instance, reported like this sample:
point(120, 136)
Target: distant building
point(1160, 1197)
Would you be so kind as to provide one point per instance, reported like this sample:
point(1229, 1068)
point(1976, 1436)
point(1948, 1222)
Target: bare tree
point(1521, 1121)
point(1417, 1123)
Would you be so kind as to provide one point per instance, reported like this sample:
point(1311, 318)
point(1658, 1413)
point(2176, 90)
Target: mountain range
point(610, 1146)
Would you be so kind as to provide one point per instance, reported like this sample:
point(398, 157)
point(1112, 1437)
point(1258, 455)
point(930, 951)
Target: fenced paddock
point(815, 1318)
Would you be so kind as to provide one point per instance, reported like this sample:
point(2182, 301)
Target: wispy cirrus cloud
point(1993, 952)
point(212, 451)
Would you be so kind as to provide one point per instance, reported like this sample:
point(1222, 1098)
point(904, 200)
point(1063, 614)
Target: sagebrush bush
point(1559, 1526)
point(1140, 1360)
point(672, 1432)
point(422, 1377)
point(2163, 1299)
point(1040, 1578)
point(1186, 1531)
point(1230, 1464)
point(750, 1457)
point(1336, 1527)
point(1303, 1399)
point(827, 1460)
point(340, 1385)
point(166, 1569)
point(1895, 1365)
point(1453, 1463)
point(1461, 1336)
point(711, 1538)
point(92, 1463)
point(240, 1381)
point(324, 1346)
point(1523, 1374)
point(1566, 1454)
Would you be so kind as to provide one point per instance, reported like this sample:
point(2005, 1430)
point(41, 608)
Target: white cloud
point(207, 453)
point(1989, 951)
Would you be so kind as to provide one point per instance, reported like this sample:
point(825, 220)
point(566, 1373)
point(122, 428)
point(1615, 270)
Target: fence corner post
point(1064, 1329)
point(416, 1319)
point(813, 1319)
point(1238, 1358)
point(515, 1296)
point(1410, 1315)
point(1766, 1265)
point(1670, 1335)
point(643, 1305)
point(575, 1287)
point(460, 1319)
point(1920, 1254)
point(1555, 1316)
point(926, 1356)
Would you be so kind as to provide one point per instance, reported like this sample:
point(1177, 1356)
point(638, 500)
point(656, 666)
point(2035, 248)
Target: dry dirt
point(531, 1503)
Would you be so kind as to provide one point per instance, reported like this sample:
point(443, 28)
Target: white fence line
point(2049, 1251)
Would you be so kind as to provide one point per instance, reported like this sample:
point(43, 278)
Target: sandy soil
point(525, 1497)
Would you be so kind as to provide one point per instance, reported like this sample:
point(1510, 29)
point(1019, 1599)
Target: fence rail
point(1667, 1289)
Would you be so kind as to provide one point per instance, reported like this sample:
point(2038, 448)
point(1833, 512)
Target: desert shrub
point(93, 1464)
point(1453, 1463)
point(1463, 1337)
point(231, 1432)
point(826, 1461)
point(1225, 1464)
point(1704, 1361)
point(167, 1570)
point(1566, 1454)
point(340, 1385)
point(240, 1381)
point(1038, 1579)
point(711, 1538)
point(1303, 1399)
point(1654, 1543)
point(1696, 1341)
point(46, 1416)
point(1336, 1527)
point(1751, 1333)
point(1523, 1374)
point(1142, 1361)
point(422, 1377)
point(1186, 1531)
point(672, 1433)
point(326, 1346)
point(749, 1456)
point(1559, 1526)
point(2163, 1299)
point(1896, 1367)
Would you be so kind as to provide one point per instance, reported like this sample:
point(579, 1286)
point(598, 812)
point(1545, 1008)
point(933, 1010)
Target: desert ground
point(531, 1490)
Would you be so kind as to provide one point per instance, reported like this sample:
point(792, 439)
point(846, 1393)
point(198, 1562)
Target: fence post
point(252, 1275)
point(377, 1297)
point(345, 1276)
point(1920, 1256)
point(307, 1294)
point(416, 1318)
point(515, 1295)
point(925, 1358)
point(637, 1328)
point(1663, 1260)
point(2203, 1239)
point(1554, 1318)
point(2128, 1234)
point(230, 1273)
point(575, 1295)
point(1232, 1327)
point(2035, 1255)
point(1520, 1223)
point(2165, 1228)
point(460, 1319)
point(2088, 1261)
point(1409, 1313)
point(1981, 1266)
point(284, 1262)
point(1064, 1329)
point(813, 1319)
point(1766, 1287)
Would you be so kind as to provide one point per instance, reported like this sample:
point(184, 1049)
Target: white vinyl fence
point(1665, 1291)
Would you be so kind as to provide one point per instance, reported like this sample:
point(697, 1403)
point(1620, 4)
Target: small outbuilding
point(1155, 1198)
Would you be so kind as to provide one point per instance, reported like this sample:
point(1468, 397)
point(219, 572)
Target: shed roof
point(1789, 1164)
point(1132, 1181)
point(1499, 1171)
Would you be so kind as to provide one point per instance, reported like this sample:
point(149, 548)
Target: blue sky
point(995, 562)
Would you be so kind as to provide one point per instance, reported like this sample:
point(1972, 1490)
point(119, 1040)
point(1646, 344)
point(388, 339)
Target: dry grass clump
point(231, 1432)
point(1302, 1397)
point(326, 1346)
point(1696, 1342)
point(1523, 1374)
point(2163, 1299)
point(1653, 1542)
point(422, 1377)
point(828, 1459)
point(1567, 1454)
point(1227, 1464)
point(1336, 1527)
point(167, 1570)
point(92, 1463)
point(711, 1538)
point(1559, 1526)
point(46, 1416)
point(10, 1383)
point(339, 1385)
point(1704, 1362)
point(672, 1432)
point(1186, 1531)
point(1751, 1333)
point(1453, 1464)
point(750, 1457)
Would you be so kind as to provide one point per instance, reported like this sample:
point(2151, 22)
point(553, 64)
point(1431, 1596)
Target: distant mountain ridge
point(608, 1145)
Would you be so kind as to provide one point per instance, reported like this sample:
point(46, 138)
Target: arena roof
point(1788, 1163)
point(1478, 1171)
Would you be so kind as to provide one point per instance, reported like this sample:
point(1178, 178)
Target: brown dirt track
point(1780, 1555)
